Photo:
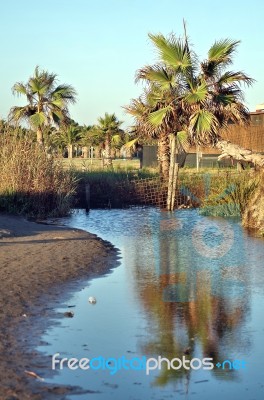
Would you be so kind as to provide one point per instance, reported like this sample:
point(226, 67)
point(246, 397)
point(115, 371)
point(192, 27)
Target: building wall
point(250, 137)
point(150, 156)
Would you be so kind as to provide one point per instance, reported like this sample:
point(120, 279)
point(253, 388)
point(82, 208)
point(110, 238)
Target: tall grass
point(216, 194)
point(31, 181)
point(229, 197)
point(111, 188)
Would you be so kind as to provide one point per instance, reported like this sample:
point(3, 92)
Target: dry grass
point(31, 181)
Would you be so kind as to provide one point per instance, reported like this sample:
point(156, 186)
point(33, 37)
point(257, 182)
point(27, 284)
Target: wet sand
point(39, 267)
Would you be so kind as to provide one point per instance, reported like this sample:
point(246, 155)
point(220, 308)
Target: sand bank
point(39, 266)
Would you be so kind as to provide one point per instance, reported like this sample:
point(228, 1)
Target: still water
point(187, 287)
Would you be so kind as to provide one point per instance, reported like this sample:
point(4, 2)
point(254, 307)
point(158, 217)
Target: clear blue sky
point(97, 45)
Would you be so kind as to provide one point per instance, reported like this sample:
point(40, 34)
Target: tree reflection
point(196, 305)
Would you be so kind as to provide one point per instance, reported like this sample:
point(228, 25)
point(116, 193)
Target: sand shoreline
point(39, 267)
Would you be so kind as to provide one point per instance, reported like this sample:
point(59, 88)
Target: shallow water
point(187, 286)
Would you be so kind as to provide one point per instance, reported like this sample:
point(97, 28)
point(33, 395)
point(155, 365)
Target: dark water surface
point(188, 286)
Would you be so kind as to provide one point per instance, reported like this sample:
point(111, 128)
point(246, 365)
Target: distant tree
point(109, 130)
point(47, 102)
point(68, 136)
point(17, 131)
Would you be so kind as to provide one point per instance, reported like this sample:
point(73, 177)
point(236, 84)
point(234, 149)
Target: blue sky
point(97, 45)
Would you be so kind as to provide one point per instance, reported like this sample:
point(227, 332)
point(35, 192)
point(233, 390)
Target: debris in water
point(92, 300)
point(34, 375)
point(187, 350)
point(69, 314)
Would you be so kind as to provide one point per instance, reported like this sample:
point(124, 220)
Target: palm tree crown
point(47, 102)
point(202, 97)
point(109, 128)
point(183, 94)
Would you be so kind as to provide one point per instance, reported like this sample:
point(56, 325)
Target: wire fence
point(154, 192)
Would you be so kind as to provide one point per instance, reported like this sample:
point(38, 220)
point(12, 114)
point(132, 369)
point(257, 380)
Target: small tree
point(68, 136)
point(109, 129)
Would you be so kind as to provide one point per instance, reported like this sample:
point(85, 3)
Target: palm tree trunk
point(70, 150)
point(85, 151)
point(39, 136)
point(108, 159)
point(164, 155)
point(230, 150)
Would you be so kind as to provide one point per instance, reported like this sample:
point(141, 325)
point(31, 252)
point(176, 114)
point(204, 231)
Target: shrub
point(230, 197)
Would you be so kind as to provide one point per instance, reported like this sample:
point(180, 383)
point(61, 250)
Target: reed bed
point(32, 182)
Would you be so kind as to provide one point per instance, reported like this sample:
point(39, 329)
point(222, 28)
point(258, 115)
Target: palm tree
point(150, 105)
point(109, 129)
point(47, 102)
point(68, 136)
point(204, 96)
point(142, 110)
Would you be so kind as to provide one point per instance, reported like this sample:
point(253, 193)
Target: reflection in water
point(187, 283)
point(192, 299)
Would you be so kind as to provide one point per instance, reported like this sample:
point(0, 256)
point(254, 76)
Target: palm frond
point(65, 92)
point(204, 127)
point(197, 94)
point(116, 140)
point(156, 74)
point(172, 51)
point(19, 89)
point(156, 118)
point(37, 120)
point(131, 144)
point(230, 77)
point(221, 51)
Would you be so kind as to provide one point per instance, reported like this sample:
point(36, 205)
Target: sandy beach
point(39, 266)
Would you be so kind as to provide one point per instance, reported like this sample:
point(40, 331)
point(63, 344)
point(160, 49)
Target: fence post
point(172, 170)
point(87, 196)
point(174, 183)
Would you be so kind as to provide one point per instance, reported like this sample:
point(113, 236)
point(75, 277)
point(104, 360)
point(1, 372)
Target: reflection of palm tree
point(199, 315)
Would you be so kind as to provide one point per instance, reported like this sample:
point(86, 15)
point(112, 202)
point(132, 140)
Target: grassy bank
point(32, 182)
point(109, 189)
point(95, 164)
point(224, 194)
point(218, 193)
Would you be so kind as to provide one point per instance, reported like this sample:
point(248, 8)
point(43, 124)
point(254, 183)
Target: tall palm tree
point(109, 129)
point(47, 102)
point(205, 96)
